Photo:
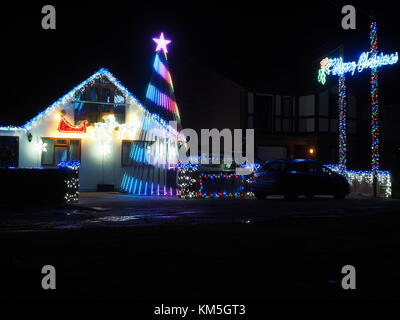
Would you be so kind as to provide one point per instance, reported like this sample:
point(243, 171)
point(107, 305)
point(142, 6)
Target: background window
point(288, 114)
point(263, 112)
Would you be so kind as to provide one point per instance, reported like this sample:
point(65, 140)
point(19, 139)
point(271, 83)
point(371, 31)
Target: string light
point(342, 123)
point(70, 96)
point(354, 177)
point(72, 183)
point(223, 179)
point(367, 60)
point(187, 182)
point(374, 103)
point(154, 158)
point(195, 184)
point(160, 97)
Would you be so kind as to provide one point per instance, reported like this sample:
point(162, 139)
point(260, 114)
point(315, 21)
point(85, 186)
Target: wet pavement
point(121, 210)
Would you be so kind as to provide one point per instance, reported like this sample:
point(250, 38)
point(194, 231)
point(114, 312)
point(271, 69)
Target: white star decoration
point(161, 43)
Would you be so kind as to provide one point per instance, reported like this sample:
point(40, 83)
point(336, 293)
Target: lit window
point(60, 150)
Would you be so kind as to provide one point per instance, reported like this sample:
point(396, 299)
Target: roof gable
point(70, 96)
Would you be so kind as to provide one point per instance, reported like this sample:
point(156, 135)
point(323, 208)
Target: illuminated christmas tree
point(153, 156)
point(160, 98)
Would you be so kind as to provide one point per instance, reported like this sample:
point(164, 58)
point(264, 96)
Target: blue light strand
point(71, 96)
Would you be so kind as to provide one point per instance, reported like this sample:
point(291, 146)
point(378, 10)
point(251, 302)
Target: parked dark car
point(292, 178)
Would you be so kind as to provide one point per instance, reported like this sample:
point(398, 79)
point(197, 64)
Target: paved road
point(114, 209)
point(202, 249)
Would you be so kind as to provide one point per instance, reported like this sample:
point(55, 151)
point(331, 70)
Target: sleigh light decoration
point(65, 126)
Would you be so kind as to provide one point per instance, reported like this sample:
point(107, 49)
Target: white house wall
point(96, 168)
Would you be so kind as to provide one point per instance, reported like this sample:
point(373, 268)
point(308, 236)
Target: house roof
point(71, 94)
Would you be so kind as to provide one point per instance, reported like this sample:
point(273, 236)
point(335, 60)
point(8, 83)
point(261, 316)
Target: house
point(300, 125)
point(118, 142)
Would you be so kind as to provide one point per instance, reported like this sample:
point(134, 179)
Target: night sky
point(260, 47)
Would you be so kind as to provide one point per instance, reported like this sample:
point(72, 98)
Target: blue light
point(124, 178)
point(70, 96)
point(69, 164)
point(336, 66)
point(130, 184)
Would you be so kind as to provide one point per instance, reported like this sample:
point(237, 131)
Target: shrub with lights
point(72, 180)
point(359, 178)
point(195, 181)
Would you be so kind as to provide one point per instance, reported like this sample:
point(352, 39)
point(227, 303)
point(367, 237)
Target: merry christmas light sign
point(371, 60)
point(367, 60)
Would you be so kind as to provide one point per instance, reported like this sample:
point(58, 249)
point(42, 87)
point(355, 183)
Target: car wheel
point(309, 196)
point(290, 196)
point(260, 196)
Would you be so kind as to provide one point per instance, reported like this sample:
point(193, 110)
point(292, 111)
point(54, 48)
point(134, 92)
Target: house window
point(250, 111)
point(306, 113)
point(284, 114)
point(60, 150)
point(287, 114)
point(99, 99)
point(263, 112)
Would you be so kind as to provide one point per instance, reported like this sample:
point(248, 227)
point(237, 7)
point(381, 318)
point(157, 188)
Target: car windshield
point(274, 167)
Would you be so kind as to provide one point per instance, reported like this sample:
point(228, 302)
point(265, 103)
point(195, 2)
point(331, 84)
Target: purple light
point(161, 43)
point(162, 70)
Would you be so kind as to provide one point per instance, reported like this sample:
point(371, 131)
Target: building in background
point(286, 125)
point(299, 126)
